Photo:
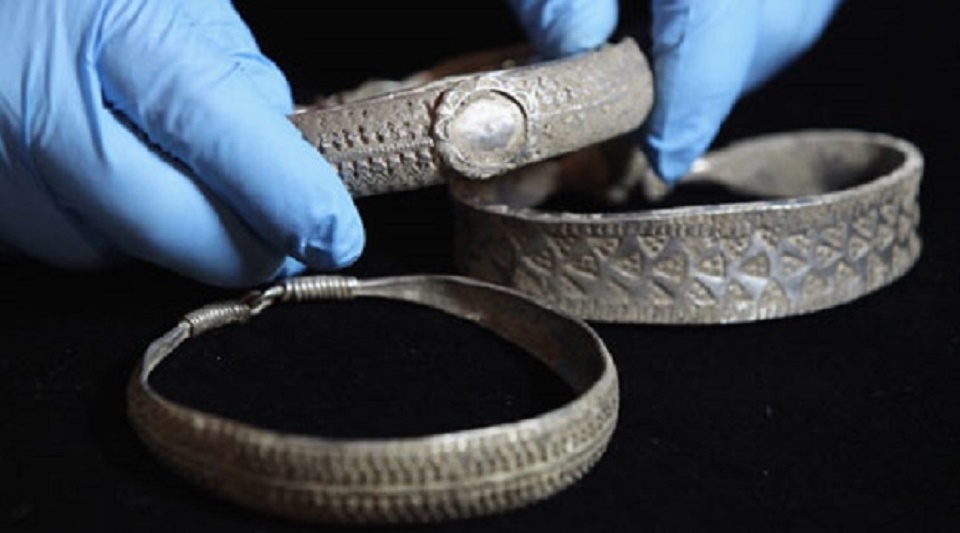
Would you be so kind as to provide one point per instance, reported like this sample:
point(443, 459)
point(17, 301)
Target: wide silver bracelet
point(420, 479)
point(841, 221)
point(477, 116)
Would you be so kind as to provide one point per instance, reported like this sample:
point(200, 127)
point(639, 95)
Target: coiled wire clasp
point(310, 288)
point(302, 289)
point(258, 301)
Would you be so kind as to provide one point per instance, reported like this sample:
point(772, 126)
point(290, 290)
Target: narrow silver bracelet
point(420, 479)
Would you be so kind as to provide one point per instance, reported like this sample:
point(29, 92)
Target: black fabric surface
point(846, 419)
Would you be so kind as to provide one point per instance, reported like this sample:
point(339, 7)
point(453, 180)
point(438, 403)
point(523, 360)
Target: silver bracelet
point(421, 479)
point(453, 121)
point(842, 221)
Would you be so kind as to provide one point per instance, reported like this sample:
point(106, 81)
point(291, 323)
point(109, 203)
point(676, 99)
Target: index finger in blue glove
point(565, 27)
point(702, 53)
point(161, 69)
point(787, 30)
point(223, 27)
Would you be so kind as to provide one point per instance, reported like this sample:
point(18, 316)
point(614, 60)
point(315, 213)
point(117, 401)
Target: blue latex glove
point(706, 55)
point(156, 130)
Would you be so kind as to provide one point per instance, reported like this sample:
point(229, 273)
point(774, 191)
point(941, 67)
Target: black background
point(845, 419)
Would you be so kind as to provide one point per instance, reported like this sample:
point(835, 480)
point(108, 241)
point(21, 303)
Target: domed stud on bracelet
point(477, 116)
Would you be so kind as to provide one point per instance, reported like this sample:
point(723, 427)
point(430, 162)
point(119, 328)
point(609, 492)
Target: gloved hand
point(156, 130)
point(706, 55)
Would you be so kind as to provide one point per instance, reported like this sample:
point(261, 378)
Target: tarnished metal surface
point(423, 479)
point(394, 136)
point(842, 221)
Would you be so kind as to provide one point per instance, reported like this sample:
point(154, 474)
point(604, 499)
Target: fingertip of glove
point(569, 44)
point(671, 165)
point(347, 252)
point(338, 245)
point(288, 269)
point(568, 27)
point(230, 273)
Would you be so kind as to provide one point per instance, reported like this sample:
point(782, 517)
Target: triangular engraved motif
point(773, 295)
point(826, 255)
point(713, 265)
point(584, 265)
point(846, 276)
point(564, 244)
point(520, 240)
point(496, 253)
point(623, 290)
point(813, 287)
point(737, 292)
point(866, 224)
point(737, 246)
point(569, 287)
point(884, 237)
point(768, 236)
point(757, 266)
point(834, 236)
point(877, 269)
point(527, 281)
point(888, 211)
point(540, 259)
point(857, 248)
point(652, 245)
point(904, 228)
point(604, 247)
point(791, 265)
point(901, 257)
point(800, 241)
point(701, 294)
point(674, 267)
point(659, 294)
point(630, 266)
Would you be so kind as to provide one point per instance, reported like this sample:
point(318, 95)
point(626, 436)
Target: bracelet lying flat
point(842, 221)
point(453, 121)
point(422, 479)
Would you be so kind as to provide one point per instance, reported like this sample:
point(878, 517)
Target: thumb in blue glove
point(156, 130)
point(706, 55)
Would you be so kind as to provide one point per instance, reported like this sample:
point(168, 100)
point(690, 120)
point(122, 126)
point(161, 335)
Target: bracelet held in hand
point(442, 122)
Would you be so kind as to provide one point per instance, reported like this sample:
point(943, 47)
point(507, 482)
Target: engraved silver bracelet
point(477, 116)
point(841, 221)
point(418, 479)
